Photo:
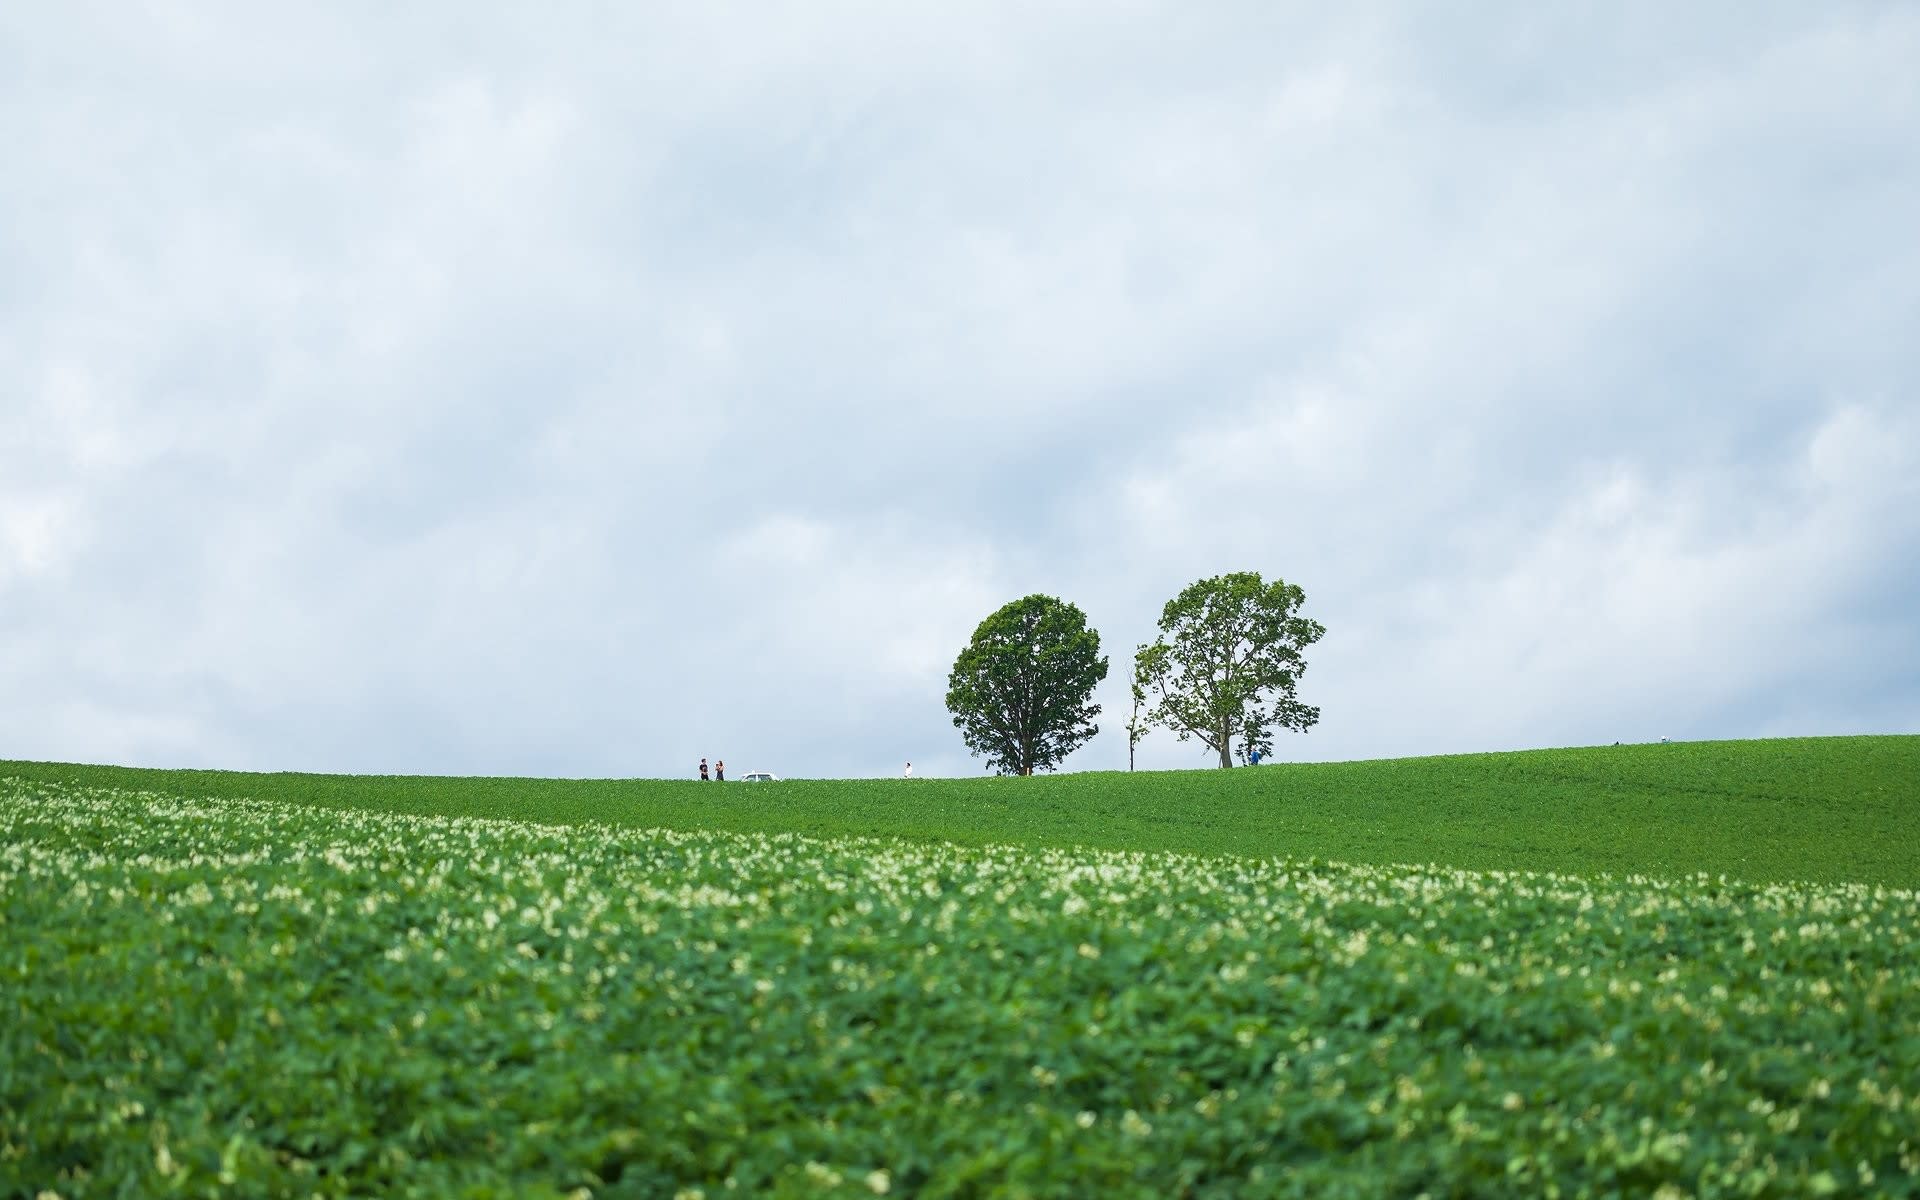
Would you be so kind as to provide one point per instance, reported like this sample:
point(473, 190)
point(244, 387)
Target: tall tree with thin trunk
point(1021, 692)
point(1136, 728)
point(1227, 663)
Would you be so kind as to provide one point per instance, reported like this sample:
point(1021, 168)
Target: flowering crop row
point(1833, 809)
point(243, 998)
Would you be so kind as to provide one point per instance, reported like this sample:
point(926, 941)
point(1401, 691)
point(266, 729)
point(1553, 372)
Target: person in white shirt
point(909, 774)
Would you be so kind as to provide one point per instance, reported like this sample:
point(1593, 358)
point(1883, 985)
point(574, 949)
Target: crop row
point(1830, 809)
point(244, 998)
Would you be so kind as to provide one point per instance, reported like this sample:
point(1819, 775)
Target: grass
point(217, 998)
point(1817, 809)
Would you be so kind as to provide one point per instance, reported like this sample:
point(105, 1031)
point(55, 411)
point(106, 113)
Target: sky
point(583, 390)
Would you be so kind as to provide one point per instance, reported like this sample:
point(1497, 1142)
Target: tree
point(1136, 728)
point(1020, 691)
point(1227, 662)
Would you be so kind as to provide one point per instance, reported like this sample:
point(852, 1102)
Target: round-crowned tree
point(1021, 692)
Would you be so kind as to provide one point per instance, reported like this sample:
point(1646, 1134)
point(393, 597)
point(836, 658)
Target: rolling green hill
point(223, 983)
point(218, 997)
point(1820, 809)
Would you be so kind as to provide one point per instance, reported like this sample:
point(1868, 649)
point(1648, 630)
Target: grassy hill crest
point(1836, 809)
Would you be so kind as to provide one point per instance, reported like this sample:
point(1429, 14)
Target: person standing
point(909, 774)
point(720, 770)
point(703, 770)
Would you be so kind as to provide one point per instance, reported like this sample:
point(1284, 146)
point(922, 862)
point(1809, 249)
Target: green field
point(295, 985)
point(1835, 809)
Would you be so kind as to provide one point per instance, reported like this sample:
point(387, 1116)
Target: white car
point(759, 777)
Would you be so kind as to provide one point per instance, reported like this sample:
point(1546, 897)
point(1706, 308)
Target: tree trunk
point(1226, 751)
point(1133, 729)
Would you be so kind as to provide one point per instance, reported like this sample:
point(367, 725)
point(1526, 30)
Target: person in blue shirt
point(1253, 758)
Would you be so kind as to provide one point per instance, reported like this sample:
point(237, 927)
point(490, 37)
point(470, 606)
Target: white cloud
point(35, 535)
point(1634, 614)
point(565, 392)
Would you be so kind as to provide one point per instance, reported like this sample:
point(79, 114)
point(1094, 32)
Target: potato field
point(234, 997)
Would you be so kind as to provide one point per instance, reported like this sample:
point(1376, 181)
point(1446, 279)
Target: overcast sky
point(584, 389)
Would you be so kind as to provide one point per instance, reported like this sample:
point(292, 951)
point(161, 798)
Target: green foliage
point(1227, 663)
point(1136, 724)
point(1835, 809)
point(247, 998)
point(1021, 691)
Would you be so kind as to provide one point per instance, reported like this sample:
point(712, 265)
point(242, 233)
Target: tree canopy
point(1021, 691)
point(1227, 663)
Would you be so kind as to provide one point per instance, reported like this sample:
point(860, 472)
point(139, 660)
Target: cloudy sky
point(583, 389)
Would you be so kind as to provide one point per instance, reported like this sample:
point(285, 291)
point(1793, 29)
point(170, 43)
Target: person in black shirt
point(703, 770)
